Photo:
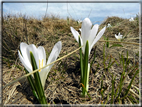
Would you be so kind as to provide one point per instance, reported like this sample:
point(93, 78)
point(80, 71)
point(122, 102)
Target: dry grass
point(62, 86)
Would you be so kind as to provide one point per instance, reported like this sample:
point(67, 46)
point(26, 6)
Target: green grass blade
point(116, 45)
point(102, 89)
point(107, 99)
point(86, 91)
point(109, 61)
point(93, 58)
point(112, 93)
point(107, 43)
point(120, 85)
point(110, 65)
point(127, 61)
point(104, 60)
point(130, 84)
point(115, 61)
point(131, 99)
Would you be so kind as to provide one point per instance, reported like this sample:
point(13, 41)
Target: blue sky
point(74, 10)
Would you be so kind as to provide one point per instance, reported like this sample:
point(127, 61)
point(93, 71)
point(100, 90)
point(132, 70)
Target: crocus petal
point(41, 54)
point(100, 34)
point(116, 36)
point(109, 25)
point(93, 35)
point(43, 75)
point(55, 52)
point(119, 34)
point(131, 19)
point(25, 62)
point(82, 44)
point(52, 57)
point(86, 30)
point(119, 37)
point(75, 33)
point(32, 48)
point(25, 54)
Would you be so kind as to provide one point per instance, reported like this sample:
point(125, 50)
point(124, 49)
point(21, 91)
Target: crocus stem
point(38, 84)
point(81, 61)
point(88, 71)
point(31, 82)
point(85, 69)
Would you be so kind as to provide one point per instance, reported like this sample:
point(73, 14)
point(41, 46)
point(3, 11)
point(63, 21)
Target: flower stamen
point(40, 64)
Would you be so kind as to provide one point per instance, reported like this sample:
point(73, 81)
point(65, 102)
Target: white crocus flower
point(40, 58)
point(79, 21)
point(88, 34)
point(119, 37)
point(109, 25)
point(131, 19)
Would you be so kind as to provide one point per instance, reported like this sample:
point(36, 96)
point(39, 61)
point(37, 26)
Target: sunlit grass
point(118, 83)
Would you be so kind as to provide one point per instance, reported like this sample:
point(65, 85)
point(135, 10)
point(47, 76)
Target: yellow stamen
point(40, 64)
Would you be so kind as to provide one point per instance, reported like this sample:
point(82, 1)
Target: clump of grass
point(112, 20)
point(124, 26)
point(19, 28)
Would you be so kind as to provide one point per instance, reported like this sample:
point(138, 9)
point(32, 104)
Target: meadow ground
point(63, 82)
